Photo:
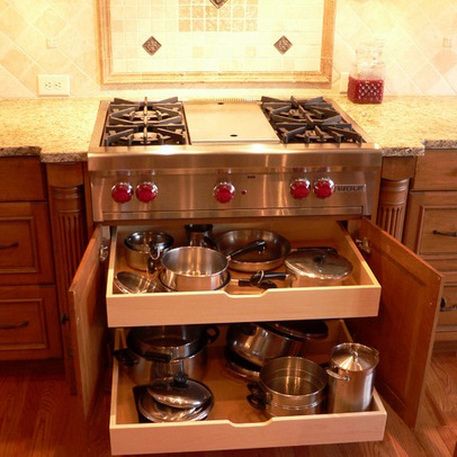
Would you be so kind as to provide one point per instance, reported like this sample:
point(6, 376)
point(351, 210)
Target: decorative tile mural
point(206, 36)
point(60, 36)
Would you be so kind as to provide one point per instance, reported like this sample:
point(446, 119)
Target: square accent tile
point(283, 45)
point(151, 45)
point(218, 3)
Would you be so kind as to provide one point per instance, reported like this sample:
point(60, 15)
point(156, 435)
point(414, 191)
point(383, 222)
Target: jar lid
point(179, 392)
point(319, 264)
point(354, 357)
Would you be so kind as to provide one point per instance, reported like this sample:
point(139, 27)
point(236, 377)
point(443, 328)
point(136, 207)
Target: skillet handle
point(261, 275)
point(319, 249)
point(257, 245)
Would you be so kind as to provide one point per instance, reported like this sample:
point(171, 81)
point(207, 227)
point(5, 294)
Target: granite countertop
point(59, 130)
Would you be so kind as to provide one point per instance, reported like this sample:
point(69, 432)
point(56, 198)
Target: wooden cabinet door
point(88, 322)
point(403, 330)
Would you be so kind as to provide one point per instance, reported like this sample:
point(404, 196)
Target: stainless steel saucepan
point(192, 268)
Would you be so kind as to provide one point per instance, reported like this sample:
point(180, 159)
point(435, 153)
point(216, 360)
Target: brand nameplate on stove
point(350, 187)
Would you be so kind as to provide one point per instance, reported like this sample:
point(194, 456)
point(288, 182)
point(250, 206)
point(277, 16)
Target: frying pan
point(277, 248)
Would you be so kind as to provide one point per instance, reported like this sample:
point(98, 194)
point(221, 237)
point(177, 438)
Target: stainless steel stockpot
point(154, 352)
point(351, 377)
point(258, 343)
point(289, 386)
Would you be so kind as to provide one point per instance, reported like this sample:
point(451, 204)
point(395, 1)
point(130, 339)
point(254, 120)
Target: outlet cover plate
point(54, 85)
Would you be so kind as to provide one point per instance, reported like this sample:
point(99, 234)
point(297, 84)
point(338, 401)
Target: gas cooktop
point(172, 122)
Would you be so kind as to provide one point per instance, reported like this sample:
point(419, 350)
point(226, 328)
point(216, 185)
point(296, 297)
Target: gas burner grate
point(313, 120)
point(145, 123)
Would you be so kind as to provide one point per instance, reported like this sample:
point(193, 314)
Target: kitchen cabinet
point(402, 331)
point(431, 230)
point(29, 326)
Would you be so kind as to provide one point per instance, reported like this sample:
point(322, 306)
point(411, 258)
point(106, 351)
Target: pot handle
point(257, 245)
point(212, 333)
point(126, 357)
point(337, 376)
point(157, 357)
point(256, 398)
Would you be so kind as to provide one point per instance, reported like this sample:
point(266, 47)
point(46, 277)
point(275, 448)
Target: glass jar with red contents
point(366, 80)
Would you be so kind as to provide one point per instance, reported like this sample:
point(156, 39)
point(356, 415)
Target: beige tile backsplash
point(60, 36)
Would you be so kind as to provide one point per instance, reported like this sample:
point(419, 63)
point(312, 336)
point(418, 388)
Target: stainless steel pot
point(142, 248)
point(289, 386)
point(258, 343)
point(154, 352)
point(351, 377)
point(190, 268)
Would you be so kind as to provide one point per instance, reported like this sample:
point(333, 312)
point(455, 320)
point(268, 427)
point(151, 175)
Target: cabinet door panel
point(404, 329)
point(88, 322)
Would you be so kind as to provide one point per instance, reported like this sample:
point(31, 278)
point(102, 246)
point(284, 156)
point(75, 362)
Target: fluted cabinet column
point(393, 199)
point(69, 233)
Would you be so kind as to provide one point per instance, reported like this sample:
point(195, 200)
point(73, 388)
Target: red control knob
point(324, 187)
point(224, 192)
point(122, 192)
point(300, 188)
point(146, 191)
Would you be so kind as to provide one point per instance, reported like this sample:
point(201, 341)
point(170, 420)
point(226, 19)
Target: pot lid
point(354, 357)
point(158, 412)
point(302, 330)
point(179, 392)
point(319, 264)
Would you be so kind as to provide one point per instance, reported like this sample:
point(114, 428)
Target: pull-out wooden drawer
point(29, 326)
point(358, 296)
point(25, 246)
point(233, 423)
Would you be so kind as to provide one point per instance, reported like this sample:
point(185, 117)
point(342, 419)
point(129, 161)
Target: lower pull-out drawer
point(358, 295)
point(233, 423)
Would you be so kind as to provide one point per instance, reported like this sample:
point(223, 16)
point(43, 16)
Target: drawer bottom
point(233, 423)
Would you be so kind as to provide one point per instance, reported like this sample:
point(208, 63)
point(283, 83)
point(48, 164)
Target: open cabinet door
point(88, 321)
point(403, 331)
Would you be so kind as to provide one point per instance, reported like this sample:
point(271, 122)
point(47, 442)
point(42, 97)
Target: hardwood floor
point(39, 418)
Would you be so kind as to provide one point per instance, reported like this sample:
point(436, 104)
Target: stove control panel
point(323, 187)
point(224, 192)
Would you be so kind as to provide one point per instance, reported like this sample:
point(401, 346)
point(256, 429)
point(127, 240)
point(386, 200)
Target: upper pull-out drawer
point(358, 295)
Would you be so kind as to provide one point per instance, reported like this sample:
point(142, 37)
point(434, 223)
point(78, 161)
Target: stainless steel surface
point(317, 268)
point(260, 172)
point(179, 392)
point(276, 249)
point(289, 386)
point(351, 377)
point(220, 122)
point(257, 343)
point(129, 282)
point(157, 412)
point(142, 248)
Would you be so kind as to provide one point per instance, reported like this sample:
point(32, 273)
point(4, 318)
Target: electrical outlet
point(53, 85)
